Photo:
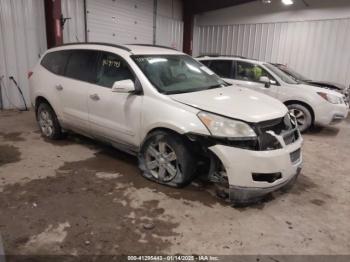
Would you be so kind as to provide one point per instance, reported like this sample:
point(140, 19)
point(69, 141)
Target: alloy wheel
point(161, 161)
point(46, 123)
point(299, 116)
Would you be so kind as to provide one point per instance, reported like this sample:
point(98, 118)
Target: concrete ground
point(77, 196)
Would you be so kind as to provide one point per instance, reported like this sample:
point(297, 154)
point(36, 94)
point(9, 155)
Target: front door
point(115, 116)
point(248, 75)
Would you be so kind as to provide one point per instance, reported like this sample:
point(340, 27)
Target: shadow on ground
point(328, 131)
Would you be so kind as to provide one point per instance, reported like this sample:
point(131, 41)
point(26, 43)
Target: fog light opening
point(266, 177)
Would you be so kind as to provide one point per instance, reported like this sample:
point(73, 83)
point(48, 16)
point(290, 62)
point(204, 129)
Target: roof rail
point(216, 55)
point(203, 55)
point(278, 64)
point(160, 46)
point(98, 43)
point(236, 56)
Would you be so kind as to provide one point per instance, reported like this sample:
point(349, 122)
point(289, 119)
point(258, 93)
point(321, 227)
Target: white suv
point(170, 110)
point(309, 104)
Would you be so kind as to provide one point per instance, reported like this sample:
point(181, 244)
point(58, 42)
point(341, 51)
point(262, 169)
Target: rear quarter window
point(223, 68)
point(56, 62)
point(205, 62)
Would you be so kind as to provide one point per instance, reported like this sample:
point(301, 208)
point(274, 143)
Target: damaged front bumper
point(247, 195)
point(253, 174)
point(249, 169)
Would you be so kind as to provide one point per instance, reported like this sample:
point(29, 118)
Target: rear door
point(80, 73)
point(113, 115)
point(49, 79)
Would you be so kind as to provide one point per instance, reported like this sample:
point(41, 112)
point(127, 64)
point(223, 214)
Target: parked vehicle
point(171, 111)
point(325, 84)
point(309, 104)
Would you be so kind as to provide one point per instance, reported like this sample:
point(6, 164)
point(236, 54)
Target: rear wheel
point(48, 122)
point(302, 115)
point(166, 159)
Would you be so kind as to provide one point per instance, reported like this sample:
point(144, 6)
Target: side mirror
point(123, 86)
point(265, 80)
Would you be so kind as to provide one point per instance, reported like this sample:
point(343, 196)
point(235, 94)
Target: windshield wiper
point(214, 86)
point(174, 92)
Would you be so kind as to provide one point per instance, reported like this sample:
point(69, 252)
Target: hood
point(235, 102)
point(327, 84)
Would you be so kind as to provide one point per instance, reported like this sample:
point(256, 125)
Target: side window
point(82, 65)
point(222, 68)
point(56, 62)
point(112, 68)
point(205, 62)
point(251, 72)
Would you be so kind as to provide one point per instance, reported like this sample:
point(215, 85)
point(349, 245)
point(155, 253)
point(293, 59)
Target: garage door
point(120, 21)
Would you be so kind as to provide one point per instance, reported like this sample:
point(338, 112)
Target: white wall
point(257, 12)
point(120, 22)
point(22, 41)
point(315, 40)
point(170, 8)
point(74, 28)
point(169, 26)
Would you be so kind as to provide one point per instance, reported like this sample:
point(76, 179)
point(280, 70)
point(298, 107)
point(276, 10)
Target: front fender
point(172, 115)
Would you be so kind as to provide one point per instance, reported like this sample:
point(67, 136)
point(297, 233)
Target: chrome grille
point(284, 127)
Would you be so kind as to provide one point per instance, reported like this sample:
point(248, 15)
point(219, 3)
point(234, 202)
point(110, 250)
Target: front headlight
point(331, 98)
point(224, 127)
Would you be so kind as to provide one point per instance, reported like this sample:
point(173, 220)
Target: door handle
point(94, 97)
point(59, 87)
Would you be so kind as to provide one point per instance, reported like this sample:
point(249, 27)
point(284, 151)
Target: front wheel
point(303, 116)
point(166, 159)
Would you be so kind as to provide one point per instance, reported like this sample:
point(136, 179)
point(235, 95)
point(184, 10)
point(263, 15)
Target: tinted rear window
point(56, 61)
point(82, 65)
point(205, 62)
point(222, 67)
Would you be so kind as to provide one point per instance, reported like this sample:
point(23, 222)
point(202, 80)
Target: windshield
point(282, 75)
point(175, 74)
point(296, 76)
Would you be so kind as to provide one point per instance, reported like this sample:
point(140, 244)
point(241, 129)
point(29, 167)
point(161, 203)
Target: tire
point(303, 116)
point(166, 159)
point(48, 122)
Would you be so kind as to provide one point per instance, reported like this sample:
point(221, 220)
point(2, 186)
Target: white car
point(171, 111)
point(309, 104)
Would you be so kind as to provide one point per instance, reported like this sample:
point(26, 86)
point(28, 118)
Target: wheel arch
point(290, 102)
point(41, 99)
point(168, 129)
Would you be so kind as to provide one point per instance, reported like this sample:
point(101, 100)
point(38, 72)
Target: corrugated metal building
point(22, 41)
point(314, 41)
